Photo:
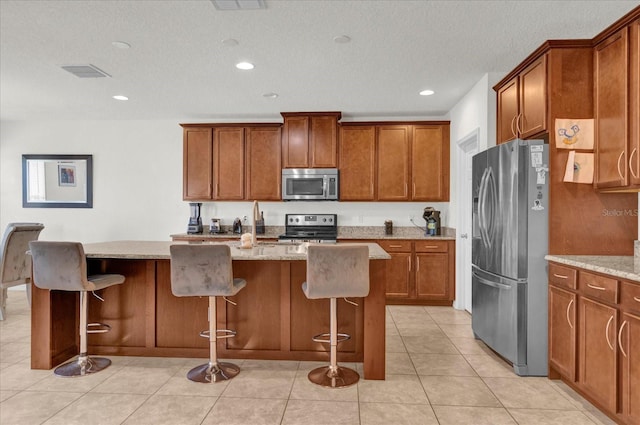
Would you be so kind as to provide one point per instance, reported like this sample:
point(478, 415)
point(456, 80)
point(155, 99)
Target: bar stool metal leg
point(84, 364)
point(214, 371)
point(334, 375)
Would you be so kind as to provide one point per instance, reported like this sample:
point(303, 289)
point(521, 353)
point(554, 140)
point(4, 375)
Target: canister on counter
point(388, 227)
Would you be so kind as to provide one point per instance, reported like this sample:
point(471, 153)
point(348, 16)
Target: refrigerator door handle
point(481, 208)
point(490, 222)
point(490, 283)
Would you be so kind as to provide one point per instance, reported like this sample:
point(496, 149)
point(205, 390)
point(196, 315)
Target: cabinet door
point(228, 145)
point(323, 139)
point(611, 111)
point(533, 99)
point(263, 164)
point(430, 163)
point(507, 111)
point(562, 332)
point(634, 102)
point(393, 152)
point(432, 276)
point(295, 142)
point(357, 163)
point(629, 344)
point(197, 167)
point(399, 275)
point(598, 354)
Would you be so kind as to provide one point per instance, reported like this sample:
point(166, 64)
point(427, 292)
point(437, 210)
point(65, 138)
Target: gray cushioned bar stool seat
point(336, 271)
point(206, 271)
point(15, 264)
point(62, 266)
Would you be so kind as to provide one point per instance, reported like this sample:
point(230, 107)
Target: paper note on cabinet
point(579, 168)
point(574, 133)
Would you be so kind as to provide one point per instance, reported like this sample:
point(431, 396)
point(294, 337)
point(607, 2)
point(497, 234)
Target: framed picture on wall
point(66, 175)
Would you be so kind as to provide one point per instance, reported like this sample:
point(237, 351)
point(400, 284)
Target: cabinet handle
point(409, 263)
point(395, 246)
point(560, 276)
point(607, 333)
point(431, 246)
point(414, 188)
point(406, 189)
point(568, 318)
point(417, 264)
point(217, 189)
point(518, 121)
point(619, 169)
point(513, 131)
point(620, 338)
point(210, 189)
point(636, 299)
point(635, 176)
point(599, 288)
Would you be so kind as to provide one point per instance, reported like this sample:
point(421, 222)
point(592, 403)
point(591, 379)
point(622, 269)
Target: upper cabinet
point(197, 165)
point(522, 103)
point(310, 139)
point(617, 100)
point(231, 163)
point(394, 161)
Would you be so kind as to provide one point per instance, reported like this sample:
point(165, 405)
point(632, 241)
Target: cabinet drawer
point(562, 276)
point(395, 246)
point(630, 296)
point(432, 246)
point(600, 287)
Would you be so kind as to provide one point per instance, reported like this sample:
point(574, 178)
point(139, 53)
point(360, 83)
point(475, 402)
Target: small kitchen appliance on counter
point(195, 222)
point(215, 226)
point(432, 216)
point(319, 228)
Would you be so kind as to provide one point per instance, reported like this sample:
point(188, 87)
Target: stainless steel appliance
point(310, 184)
point(510, 240)
point(195, 221)
point(322, 228)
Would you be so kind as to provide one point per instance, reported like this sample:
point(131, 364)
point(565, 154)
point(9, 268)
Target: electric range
point(320, 228)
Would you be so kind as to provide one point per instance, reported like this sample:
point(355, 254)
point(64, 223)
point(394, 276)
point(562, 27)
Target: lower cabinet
point(420, 272)
point(594, 338)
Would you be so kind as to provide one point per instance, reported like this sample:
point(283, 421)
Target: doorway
point(467, 147)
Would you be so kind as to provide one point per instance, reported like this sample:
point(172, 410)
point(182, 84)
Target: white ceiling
point(178, 68)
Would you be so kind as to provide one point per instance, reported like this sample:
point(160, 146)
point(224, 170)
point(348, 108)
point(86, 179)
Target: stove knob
point(324, 219)
point(297, 220)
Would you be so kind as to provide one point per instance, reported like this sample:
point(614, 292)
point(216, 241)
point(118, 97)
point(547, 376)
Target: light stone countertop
point(344, 232)
point(159, 250)
point(619, 266)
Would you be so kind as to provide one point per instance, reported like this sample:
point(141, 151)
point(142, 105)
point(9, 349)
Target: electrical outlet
point(410, 217)
point(244, 219)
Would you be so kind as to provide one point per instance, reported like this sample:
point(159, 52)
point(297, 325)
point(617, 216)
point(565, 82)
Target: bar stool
point(15, 264)
point(206, 271)
point(336, 271)
point(62, 266)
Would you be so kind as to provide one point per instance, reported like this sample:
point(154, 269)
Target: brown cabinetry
point(594, 338)
point(394, 162)
point(420, 272)
point(357, 162)
point(310, 140)
point(617, 92)
point(231, 162)
point(522, 103)
point(197, 167)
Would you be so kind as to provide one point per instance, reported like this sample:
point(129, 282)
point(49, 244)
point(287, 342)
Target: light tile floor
point(436, 374)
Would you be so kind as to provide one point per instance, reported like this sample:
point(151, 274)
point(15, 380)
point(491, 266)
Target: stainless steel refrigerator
point(510, 240)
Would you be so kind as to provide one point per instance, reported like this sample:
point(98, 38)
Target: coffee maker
point(195, 222)
point(432, 217)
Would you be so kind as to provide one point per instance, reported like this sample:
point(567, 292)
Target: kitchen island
point(273, 318)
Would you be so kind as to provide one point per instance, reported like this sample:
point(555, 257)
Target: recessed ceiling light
point(426, 92)
point(120, 44)
point(270, 95)
point(244, 65)
point(230, 42)
point(120, 97)
point(342, 39)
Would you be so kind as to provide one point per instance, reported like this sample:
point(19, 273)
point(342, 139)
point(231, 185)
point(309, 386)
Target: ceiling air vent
point(239, 4)
point(86, 71)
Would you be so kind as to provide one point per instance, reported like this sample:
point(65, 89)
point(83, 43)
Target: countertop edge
point(618, 266)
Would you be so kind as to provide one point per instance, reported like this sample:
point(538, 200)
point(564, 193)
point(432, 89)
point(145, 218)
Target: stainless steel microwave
point(310, 184)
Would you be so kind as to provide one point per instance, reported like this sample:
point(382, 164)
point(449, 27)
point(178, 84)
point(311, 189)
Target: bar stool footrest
point(216, 372)
point(326, 338)
point(105, 328)
point(224, 333)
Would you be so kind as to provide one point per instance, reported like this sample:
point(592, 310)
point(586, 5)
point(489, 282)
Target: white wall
point(137, 193)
